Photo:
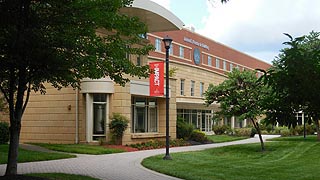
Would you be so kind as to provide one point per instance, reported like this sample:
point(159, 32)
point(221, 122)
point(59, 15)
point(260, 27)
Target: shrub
point(218, 130)
point(298, 130)
point(155, 144)
point(279, 129)
point(253, 132)
point(118, 125)
point(310, 129)
point(243, 132)
point(269, 128)
point(199, 136)
point(184, 129)
point(4, 132)
point(285, 132)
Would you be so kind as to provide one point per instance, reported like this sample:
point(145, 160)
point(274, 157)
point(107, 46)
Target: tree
point(242, 95)
point(56, 41)
point(295, 81)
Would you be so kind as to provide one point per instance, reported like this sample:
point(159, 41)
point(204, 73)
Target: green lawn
point(294, 160)
point(224, 138)
point(61, 176)
point(80, 148)
point(309, 138)
point(30, 156)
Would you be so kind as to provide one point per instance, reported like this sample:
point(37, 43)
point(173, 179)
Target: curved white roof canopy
point(156, 17)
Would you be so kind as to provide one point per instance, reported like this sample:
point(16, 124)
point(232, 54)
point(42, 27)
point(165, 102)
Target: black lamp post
point(167, 42)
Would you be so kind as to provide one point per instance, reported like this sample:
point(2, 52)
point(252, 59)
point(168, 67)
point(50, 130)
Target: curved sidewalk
point(119, 166)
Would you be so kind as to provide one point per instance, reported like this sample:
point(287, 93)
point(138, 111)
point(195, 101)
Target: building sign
point(156, 78)
point(189, 40)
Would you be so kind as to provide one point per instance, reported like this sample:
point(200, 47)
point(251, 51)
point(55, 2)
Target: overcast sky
point(254, 27)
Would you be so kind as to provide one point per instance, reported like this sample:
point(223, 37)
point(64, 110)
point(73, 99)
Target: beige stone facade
point(83, 115)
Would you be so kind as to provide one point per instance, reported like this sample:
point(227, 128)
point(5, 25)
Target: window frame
point(181, 51)
point(157, 44)
point(192, 87)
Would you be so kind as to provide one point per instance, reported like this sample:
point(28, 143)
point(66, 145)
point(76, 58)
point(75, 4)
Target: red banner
point(156, 78)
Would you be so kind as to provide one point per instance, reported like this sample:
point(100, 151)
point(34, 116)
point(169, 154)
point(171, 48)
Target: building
point(83, 115)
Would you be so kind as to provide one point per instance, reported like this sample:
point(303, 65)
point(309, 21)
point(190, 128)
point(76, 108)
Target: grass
point(224, 138)
point(309, 138)
point(31, 156)
point(61, 176)
point(80, 148)
point(294, 160)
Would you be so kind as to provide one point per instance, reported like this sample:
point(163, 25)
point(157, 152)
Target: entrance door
point(205, 121)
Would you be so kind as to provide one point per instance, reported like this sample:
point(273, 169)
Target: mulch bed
point(125, 148)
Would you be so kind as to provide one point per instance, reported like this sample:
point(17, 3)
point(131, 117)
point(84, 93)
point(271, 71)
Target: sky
point(255, 27)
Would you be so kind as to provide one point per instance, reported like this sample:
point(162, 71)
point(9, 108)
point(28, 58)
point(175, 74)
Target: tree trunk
point(13, 148)
point(318, 130)
point(256, 125)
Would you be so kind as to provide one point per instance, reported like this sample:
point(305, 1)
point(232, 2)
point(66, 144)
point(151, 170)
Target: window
point(127, 52)
point(201, 89)
point(182, 87)
point(99, 114)
point(144, 36)
point(139, 61)
point(209, 61)
point(181, 51)
point(224, 65)
point(171, 49)
point(158, 44)
point(192, 88)
point(144, 115)
point(217, 63)
point(231, 67)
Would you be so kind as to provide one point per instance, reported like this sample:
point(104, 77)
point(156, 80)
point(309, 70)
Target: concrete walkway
point(119, 166)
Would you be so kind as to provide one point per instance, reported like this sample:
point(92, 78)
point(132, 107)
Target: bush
point(253, 132)
point(4, 132)
point(243, 132)
point(155, 144)
point(279, 129)
point(218, 130)
point(285, 132)
point(310, 129)
point(118, 125)
point(298, 130)
point(199, 136)
point(184, 130)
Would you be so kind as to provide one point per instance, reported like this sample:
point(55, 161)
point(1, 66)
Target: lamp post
point(167, 42)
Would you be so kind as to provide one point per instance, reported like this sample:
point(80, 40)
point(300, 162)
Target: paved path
point(121, 166)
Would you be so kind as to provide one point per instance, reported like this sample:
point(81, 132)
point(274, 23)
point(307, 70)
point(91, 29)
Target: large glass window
point(192, 116)
point(99, 113)
point(144, 115)
point(224, 65)
point(158, 44)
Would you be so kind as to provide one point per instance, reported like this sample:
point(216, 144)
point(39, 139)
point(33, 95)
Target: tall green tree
point(241, 95)
point(56, 41)
point(295, 81)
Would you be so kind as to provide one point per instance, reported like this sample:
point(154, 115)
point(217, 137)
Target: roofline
point(159, 10)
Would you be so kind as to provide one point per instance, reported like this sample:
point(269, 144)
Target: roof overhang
point(156, 17)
